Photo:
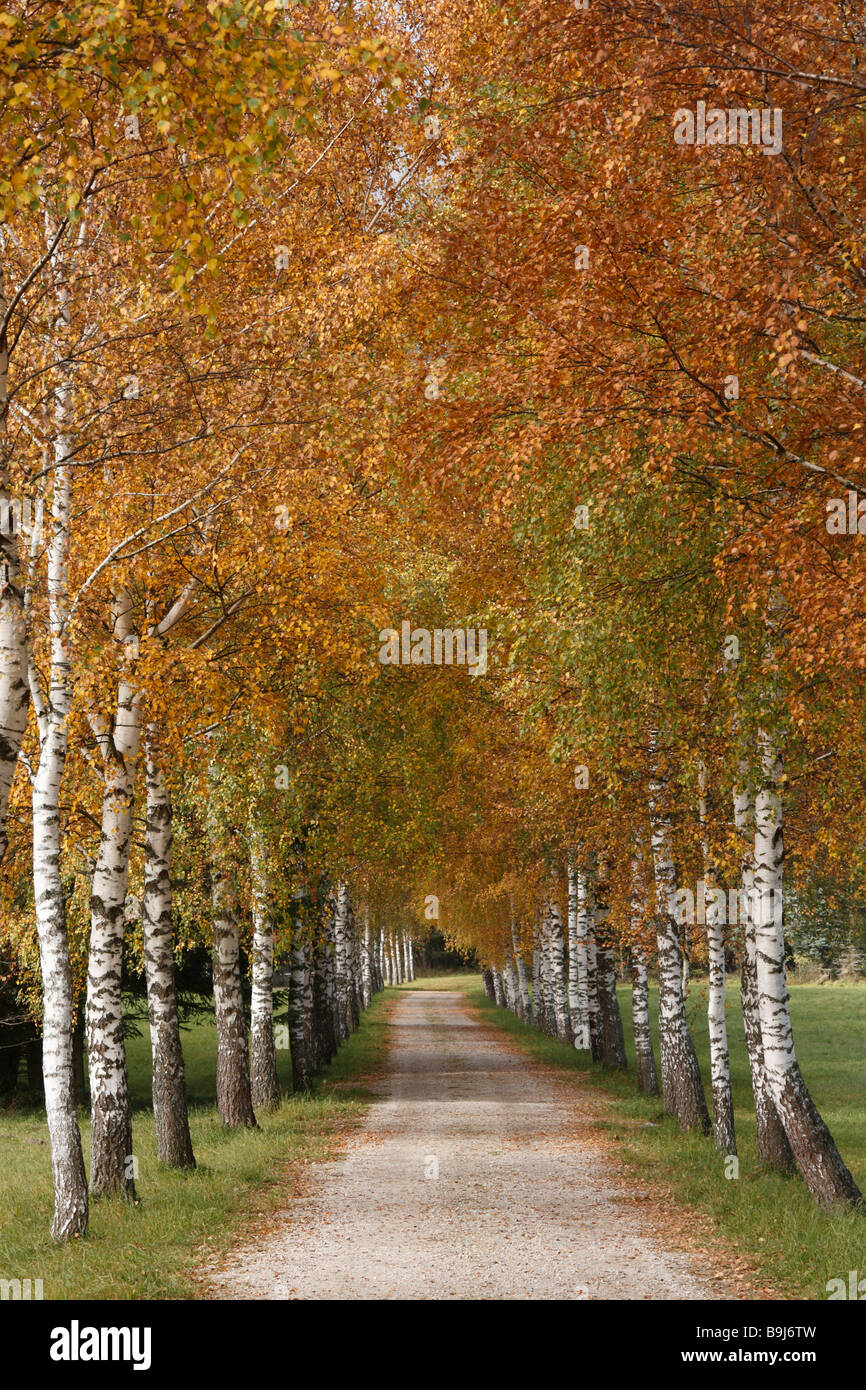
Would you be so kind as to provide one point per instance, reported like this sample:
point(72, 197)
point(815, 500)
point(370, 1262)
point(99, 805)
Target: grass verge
point(152, 1250)
point(793, 1246)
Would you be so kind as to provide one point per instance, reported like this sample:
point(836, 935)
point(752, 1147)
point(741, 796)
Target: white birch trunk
point(14, 691)
point(774, 1151)
point(724, 1133)
point(265, 1086)
point(234, 1098)
point(498, 991)
point(681, 1081)
point(367, 961)
point(573, 961)
point(173, 1142)
point(67, 1162)
point(824, 1172)
point(111, 1113)
point(524, 1000)
point(558, 986)
point(647, 1078)
point(582, 1038)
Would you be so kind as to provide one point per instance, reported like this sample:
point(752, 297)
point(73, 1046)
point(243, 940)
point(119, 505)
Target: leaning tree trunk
point(824, 1172)
point(67, 1161)
point(234, 1097)
point(265, 1086)
point(173, 1142)
point(111, 1161)
point(682, 1090)
point(613, 1039)
point(774, 1151)
point(647, 1078)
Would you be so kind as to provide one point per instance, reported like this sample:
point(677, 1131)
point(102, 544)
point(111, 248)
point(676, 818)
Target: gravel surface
point(465, 1181)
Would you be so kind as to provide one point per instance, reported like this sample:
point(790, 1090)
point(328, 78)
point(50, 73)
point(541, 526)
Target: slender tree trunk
point(724, 1134)
point(582, 1038)
point(824, 1172)
point(265, 1086)
point(111, 1112)
point(487, 983)
point(14, 691)
point(525, 1003)
point(596, 1034)
point(300, 1023)
point(573, 958)
point(647, 1078)
point(67, 1161)
point(384, 957)
point(407, 952)
point(613, 1040)
point(367, 961)
point(774, 1151)
point(559, 989)
point(234, 1097)
point(498, 992)
point(173, 1141)
point(681, 1079)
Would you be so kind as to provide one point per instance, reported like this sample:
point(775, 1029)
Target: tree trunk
point(596, 1036)
point(724, 1134)
point(582, 1037)
point(234, 1098)
point(407, 952)
point(366, 961)
point(612, 1038)
point(573, 958)
point(647, 1078)
point(173, 1141)
point(824, 1172)
point(265, 1086)
point(67, 1160)
point(111, 1161)
point(524, 1001)
point(681, 1079)
point(14, 690)
point(774, 1151)
point(498, 992)
point(558, 984)
point(300, 1001)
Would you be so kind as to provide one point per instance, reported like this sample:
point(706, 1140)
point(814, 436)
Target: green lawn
point(151, 1250)
point(772, 1220)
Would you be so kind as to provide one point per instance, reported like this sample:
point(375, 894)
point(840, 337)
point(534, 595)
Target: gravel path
point(466, 1181)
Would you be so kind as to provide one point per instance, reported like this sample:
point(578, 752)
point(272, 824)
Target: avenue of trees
point(430, 494)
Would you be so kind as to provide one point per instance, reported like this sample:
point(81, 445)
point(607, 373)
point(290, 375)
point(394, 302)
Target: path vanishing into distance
point(468, 1179)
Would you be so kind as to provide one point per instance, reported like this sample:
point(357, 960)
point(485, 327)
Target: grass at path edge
point(184, 1220)
point(794, 1247)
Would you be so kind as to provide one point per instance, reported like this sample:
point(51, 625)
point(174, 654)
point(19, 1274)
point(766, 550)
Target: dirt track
point(465, 1181)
